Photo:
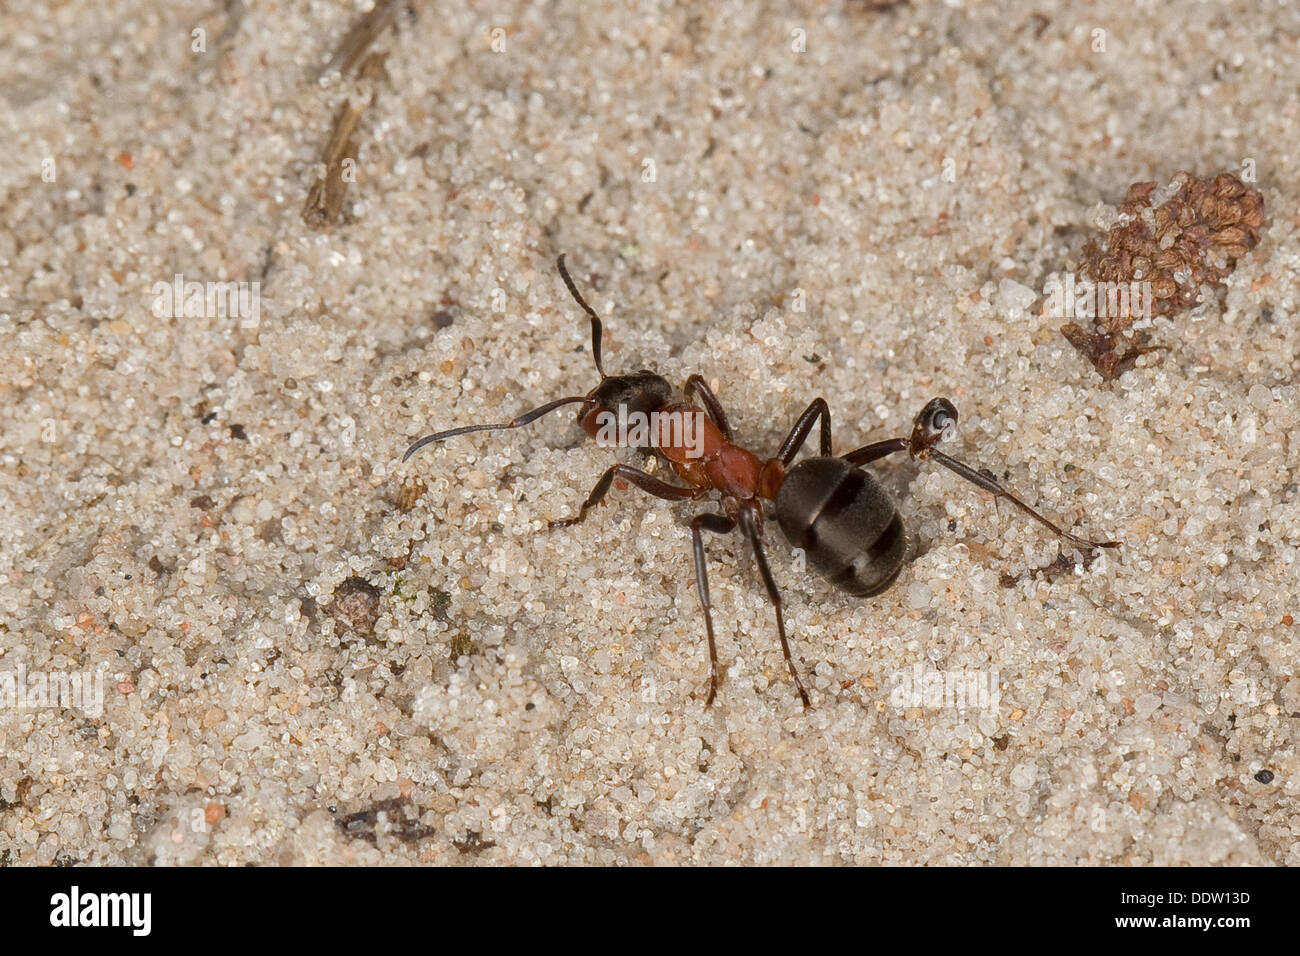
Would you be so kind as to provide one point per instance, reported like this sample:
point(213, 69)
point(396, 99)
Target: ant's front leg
point(643, 480)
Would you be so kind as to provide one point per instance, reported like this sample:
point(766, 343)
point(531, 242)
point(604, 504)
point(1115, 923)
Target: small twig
point(363, 33)
point(325, 198)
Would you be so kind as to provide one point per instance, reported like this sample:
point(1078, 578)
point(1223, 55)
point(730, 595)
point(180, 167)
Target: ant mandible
point(837, 513)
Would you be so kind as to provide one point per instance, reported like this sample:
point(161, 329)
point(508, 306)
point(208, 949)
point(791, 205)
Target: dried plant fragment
point(1170, 251)
point(325, 198)
point(400, 819)
point(356, 605)
point(410, 492)
point(363, 33)
point(1054, 569)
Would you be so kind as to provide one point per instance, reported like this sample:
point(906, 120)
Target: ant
point(837, 513)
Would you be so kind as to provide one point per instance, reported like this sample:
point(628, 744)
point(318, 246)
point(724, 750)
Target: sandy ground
point(793, 200)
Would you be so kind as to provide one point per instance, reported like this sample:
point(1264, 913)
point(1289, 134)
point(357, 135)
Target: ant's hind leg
point(750, 526)
point(876, 451)
point(981, 480)
point(643, 480)
point(799, 434)
point(718, 524)
point(937, 422)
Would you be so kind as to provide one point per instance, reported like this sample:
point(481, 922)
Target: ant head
point(937, 422)
point(640, 392)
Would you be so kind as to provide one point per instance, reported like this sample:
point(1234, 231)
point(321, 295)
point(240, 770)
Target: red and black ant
point(845, 522)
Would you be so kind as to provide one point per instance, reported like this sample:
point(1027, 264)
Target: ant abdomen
point(844, 521)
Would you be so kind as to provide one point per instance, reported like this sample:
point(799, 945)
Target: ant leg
point(991, 486)
point(596, 327)
point(794, 441)
point(646, 482)
point(525, 419)
point(718, 524)
point(711, 404)
point(937, 421)
point(876, 450)
point(748, 523)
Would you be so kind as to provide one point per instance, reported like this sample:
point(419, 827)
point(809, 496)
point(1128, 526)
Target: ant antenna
point(526, 418)
point(531, 416)
point(596, 327)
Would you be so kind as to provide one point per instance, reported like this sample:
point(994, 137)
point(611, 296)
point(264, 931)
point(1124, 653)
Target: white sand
point(1136, 702)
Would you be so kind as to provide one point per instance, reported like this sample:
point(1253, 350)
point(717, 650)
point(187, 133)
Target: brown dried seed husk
point(1200, 233)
